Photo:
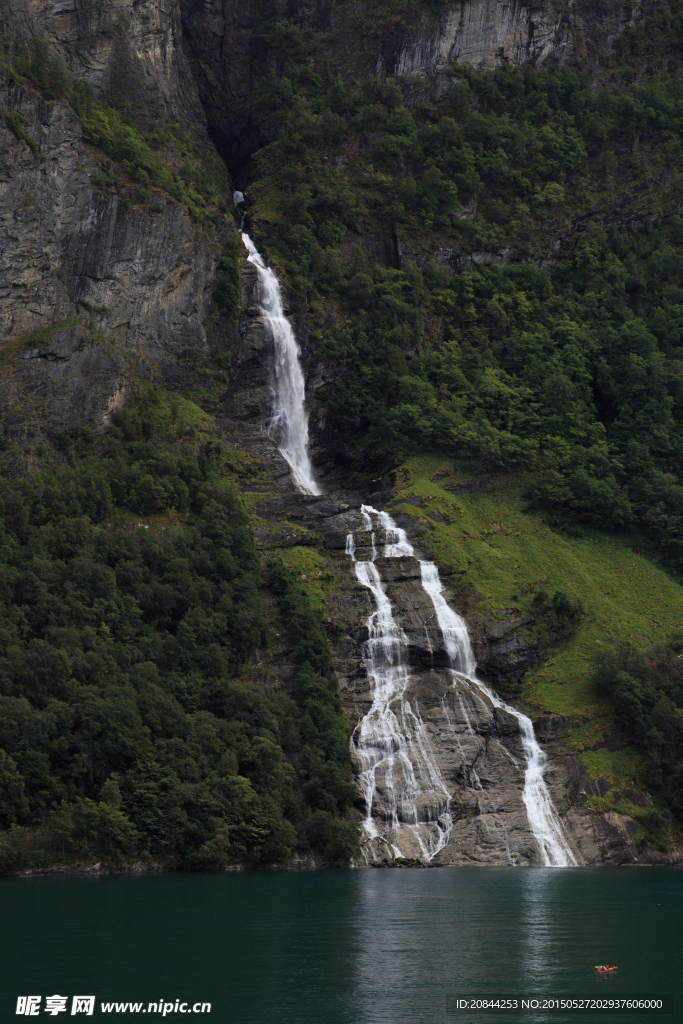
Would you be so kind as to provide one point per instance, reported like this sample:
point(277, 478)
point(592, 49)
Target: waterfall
point(375, 735)
point(288, 425)
point(543, 820)
point(399, 776)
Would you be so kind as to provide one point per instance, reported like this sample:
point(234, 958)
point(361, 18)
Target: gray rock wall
point(128, 51)
point(66, 242)
point(80, 240)
point(484, 34)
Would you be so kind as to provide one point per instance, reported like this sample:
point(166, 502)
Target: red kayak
point(605, 970)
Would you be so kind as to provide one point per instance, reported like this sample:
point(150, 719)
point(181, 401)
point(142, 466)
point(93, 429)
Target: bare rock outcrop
point(70, 244)
point(484, 34)
point(70, 381)
point(131, 52)
point(82, 241)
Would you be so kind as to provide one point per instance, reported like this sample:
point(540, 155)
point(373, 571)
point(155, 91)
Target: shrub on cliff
point(645, 689)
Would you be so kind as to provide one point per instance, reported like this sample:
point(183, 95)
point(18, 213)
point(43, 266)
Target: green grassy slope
point(503, 555)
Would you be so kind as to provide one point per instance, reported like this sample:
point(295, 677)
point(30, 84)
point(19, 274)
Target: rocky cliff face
point(132, 52)
point(485, 34)
point(81, 239)
point(229, 59)
point(71, 243)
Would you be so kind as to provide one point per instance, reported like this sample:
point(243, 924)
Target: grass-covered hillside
point(504, 558)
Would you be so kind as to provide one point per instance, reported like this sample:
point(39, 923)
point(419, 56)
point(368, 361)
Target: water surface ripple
point(343, 947)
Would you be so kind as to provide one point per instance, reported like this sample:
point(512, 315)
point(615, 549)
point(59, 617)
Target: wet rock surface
point(475, 747)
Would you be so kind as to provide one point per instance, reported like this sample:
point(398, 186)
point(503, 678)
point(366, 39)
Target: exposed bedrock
point(70, 249)
point(475, 747)
point(79, 237)
point(131, 50)
point(485, 34)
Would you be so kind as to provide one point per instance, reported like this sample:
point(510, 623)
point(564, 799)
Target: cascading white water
point(399, 777)
point(543, 820)
point(288, 425)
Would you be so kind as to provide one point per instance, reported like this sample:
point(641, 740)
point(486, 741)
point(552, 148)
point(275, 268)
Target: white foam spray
point(399, 776)
point(288, 425)
point(554, 848)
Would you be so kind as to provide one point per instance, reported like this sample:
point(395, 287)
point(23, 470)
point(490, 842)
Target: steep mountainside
point(474, 212)
point(113, 217)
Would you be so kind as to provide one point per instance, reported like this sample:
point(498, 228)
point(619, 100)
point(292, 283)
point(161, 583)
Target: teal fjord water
point(342, 947)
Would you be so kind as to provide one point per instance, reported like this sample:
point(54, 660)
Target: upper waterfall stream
point(289, 423)
point(399, 774)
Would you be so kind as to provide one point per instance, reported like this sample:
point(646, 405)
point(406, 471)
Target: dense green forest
point(570, 367)
point(127, 725)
